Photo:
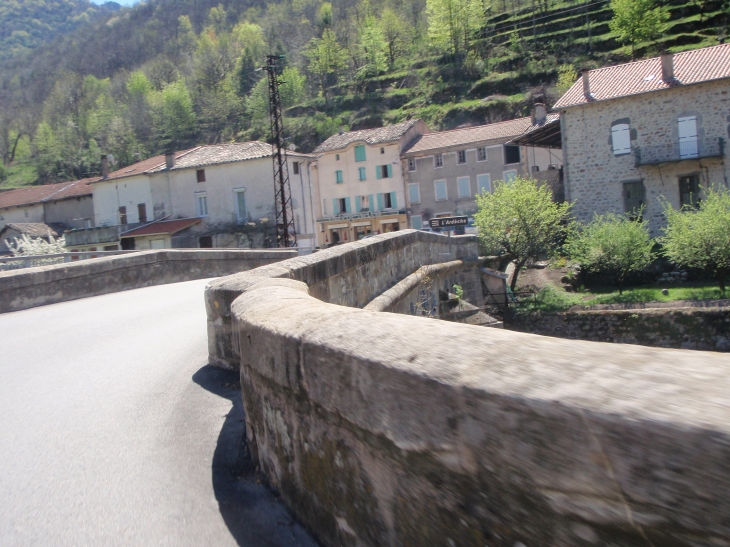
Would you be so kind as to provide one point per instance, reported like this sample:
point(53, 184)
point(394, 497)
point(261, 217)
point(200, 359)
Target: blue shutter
point(390, 171)
point(380, 202)
point(336, 206)
point(377, 172)
point(392, 199)
point(371, 203)
point(348, 208)
point(357, 204)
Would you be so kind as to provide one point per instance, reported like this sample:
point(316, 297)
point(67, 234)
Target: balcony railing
point(363, 214)
point(680, 151)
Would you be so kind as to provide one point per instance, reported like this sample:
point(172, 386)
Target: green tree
point(186, 39)
point(373, 49)
point(326, 59)
point(521, 218)
point(453, 24)
point(292, 89)
point(637, 21)
point(567, 76)
point(698, 238)
point(176, 120)
point(613, 245)
point(397, 34)
point(250, 38)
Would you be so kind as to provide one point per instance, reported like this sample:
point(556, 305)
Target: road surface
point(114, 431)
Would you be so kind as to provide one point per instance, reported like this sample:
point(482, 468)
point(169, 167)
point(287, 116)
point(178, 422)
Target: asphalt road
point(114, 431)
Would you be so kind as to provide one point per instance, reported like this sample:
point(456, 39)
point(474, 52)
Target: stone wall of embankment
point(388, 429)
point(22, 289)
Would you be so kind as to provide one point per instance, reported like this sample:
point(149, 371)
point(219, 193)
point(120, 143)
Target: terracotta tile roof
point(161, 227)
point(145, 166)
point(44, 193)
point(32, 229)
point(690, 67)
point(389, 133)
point(500, 131)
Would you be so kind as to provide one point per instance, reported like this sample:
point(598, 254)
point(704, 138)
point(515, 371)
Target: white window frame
point(435, 190)
point(201, 203)
point(486, 154)
point(459, 154)
point(621, 139)
point(458, 187)
point(418, 191)
point(412, 164)
point(489, 178)
point(438, 161)
point(244, 217)
point(511, 173)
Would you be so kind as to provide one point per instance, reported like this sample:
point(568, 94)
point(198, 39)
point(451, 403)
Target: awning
point(356, 224)
point(337, 226)
point(161, 228)
point(390, 221)
point(544, 136)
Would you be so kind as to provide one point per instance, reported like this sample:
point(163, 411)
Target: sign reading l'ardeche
point(448, 222)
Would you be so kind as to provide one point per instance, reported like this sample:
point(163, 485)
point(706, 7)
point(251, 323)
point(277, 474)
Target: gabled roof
point(690, 67)
point(142, 167)
point(32, 229)
point(379, 135)
point(161, 227)
point(545, 135)
point(470, 136)
point(45, 193)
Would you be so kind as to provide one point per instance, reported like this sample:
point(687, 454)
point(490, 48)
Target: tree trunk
point(518, 267)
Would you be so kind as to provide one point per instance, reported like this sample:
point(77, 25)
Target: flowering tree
point(36, 246)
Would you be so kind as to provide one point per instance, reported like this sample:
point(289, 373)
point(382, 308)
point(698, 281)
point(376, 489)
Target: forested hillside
point(174, 73)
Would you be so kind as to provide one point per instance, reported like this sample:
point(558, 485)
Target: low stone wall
point(21, 289)
point(686, 328)
point(349, 275)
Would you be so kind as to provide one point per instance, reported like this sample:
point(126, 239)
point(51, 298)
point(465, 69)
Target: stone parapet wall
point(686, 328)
point(387, 429)
point(22, 289)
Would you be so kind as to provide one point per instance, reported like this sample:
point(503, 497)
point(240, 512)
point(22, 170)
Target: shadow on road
point(254, 516)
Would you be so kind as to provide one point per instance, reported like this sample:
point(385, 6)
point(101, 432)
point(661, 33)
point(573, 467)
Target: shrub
point(611, 245)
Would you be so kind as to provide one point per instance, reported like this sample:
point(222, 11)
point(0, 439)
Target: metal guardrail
point(679, 151)
point(363, 214)
point(20, 262)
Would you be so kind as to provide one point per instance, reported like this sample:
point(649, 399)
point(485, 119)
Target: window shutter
point(393, 202)
point(357, 204)
point(371, 202)
point(390, 171)
point(348, 207)
point(377, 172)
point(621, 139)
point(336, 206)
point(380, 202)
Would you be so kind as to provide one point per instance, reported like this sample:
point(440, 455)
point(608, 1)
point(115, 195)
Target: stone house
point(360, 183)
point(445, 170)
point(210, 196)
point(637, 134)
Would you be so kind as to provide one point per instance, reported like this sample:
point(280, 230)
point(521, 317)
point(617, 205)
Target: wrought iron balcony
point(363, 214)
point(680, 151)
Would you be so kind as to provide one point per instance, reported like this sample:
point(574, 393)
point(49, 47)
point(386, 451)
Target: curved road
point(113, 431)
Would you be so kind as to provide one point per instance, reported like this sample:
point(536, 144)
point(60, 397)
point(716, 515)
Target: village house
point(39, 210)
point(639, 134)
point(210, 196)
point(445, 170)
point(360, 182)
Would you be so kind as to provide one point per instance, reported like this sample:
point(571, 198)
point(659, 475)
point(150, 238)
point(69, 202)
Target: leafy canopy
point(521, 218)
point(612, 244)
point(699, 238)
point(453, 24)
point(637, 21)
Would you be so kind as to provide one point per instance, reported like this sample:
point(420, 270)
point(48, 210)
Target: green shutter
point(392, 200)
point(371, 203)
point(357, 204)
point(390, 171)
point(380, 202)
point(348, 208)
point(360, 153)
point(336, 206)
point(377, 172)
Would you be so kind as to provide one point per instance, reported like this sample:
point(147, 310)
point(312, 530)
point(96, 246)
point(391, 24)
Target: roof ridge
point(434, 133)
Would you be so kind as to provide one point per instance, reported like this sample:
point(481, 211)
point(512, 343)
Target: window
point(384, 171)
point(200, 173)
point(511, 154)
point(621, 139)
point(142, 212)
point(438, 160)
point(464, 186)
point(295, 167)
point(343, 205)
point(687, 137)
point(337, 157)
point(388, 199)
point(364, 203)
point(157, 244)
point(382, 150)
point(338, 177)
point(461, 156)
point(205, 242)
point(634, 196)
point(440, 188)
point(482, 154)
point(411, 164)
point(509, 176)
point(361, 173)
point(416, 222)
point(360, 152)
point(241, 213)
point(324, 207)
point(122, 215)
point(201, 200)
point(484, 183)
point(689, 191)
point(414, 192)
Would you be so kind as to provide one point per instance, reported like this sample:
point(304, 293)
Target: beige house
point(445, 170)
point(223, 193)
point(360, 183)
point(636, 134)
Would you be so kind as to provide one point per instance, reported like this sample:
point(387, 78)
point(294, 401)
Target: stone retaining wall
point(21, 289)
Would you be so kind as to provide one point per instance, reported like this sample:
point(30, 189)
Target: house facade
point(445, 170)
point(360, 183)
point(644, 133)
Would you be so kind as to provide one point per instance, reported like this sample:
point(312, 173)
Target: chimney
point(104, 166)
point(533, 116)
point(540, 113)
point(587, 85)
point(169, 160)
point(667, 66)
point(342, 129)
